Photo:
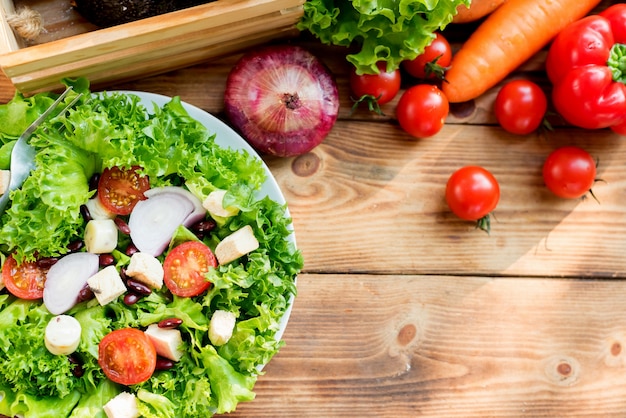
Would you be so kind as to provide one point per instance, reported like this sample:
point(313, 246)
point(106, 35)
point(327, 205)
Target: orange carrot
point(477, 10)
point(508, 37)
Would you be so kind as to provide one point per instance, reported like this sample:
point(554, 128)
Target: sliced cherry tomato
point(472, 193)
point(569, 172)
point(120, 190)
point(520, 106)
point(376, 89)
point(422, 110)
point(127, 356)
point(24, 281)
point(185, 268)
point(433, 62)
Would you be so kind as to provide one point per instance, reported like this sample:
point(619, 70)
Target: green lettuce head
point(388, 31)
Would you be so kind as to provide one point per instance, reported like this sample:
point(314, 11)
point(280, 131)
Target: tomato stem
point(617, 62)
point(484, 223)
point(434, 69)
point(372, 103)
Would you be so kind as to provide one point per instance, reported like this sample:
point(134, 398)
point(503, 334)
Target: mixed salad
point(114, 135)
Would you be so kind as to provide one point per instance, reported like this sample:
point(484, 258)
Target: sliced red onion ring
point(65, 280)
point(154, 220)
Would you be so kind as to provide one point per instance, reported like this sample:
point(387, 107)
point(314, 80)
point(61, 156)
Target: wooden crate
point(147, 46)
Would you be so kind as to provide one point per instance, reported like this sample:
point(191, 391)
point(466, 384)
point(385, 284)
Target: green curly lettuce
point(390, 31)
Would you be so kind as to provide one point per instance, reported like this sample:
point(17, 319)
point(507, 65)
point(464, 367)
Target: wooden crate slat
point(100, 75)
point(152, 45)
point(144, 31)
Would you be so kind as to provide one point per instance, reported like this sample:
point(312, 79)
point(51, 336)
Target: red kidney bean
point(163, 363)
point(170, 323)
point(131, 298)
point(138, 287)
point(77, 370)
point(84, 211)
point(85, 294)
point(47, 262)
point(131, 249)
point(93, 181)
point(204, 226)
point(122, 226)
point(75, 246)
point(106, 259)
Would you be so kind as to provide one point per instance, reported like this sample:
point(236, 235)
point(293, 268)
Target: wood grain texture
point(371, 199)
point(409, 346)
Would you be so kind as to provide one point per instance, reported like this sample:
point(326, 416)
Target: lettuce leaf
point(385, 30)
point(90, 405)
point(30, 406)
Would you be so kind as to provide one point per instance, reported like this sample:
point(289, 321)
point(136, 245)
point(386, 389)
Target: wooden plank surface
point(404, 310)
point(409, 346)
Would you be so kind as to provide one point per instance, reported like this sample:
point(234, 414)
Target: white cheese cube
point(100, 236)
point(62, 335)
point(167, 341)
point(5, 178)
point(221, 327)
point(97, 209)
point(237, 244)
point(146, 269)
point(106, 285)
point(214, 204)
point(123, 405)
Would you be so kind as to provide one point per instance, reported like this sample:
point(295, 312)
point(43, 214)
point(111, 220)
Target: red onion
point(282, 100)
point(66, 279)
point(154, 220)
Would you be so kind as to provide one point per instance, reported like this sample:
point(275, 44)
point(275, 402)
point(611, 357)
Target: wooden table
point(404, 310)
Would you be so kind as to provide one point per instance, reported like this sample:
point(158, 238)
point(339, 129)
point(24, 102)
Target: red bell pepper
point(586, 64)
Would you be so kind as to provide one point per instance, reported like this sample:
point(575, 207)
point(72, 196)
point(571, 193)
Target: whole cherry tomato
point(472, 193)
point(376, 89)
point(520, 106)
point(569, 172)
point(433, 62)
point(422, 110)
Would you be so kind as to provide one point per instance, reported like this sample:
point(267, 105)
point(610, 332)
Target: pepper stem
point(617, 62)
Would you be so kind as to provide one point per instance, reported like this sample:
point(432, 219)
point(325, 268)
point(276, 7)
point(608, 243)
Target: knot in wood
point(562, 370)
point(306, 165)
point(406, 334)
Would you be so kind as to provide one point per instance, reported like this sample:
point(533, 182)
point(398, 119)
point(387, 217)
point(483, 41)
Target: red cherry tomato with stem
point(472, 193)
point(422, 110)
point(569, 172)
point(520, 107)
point(375, 89)
point(433, 62)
